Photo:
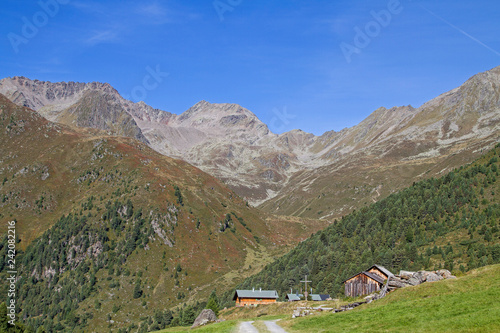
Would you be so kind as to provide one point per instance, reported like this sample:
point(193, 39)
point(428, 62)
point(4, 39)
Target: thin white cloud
point(460, 30)
point(95, 8)
point(113, 25)
point(99, 37)
point(151, 13)
point(152, 9)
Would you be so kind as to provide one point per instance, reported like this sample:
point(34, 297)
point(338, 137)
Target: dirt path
point(378, 193)
point(272, 327)
point(247, 327)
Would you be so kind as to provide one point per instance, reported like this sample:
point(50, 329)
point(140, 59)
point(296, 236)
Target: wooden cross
point(305, 281)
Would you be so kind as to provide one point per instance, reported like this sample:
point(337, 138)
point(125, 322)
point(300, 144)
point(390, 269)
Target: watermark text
point(150, 82)
point(364, 36)
point(11, 272)
point(31, 26)
point(224, 6)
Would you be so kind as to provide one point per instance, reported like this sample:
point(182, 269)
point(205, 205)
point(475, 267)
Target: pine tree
point(188, 316)
point(178, 194)
point(137, 289)
point(213, 303)
point(168, 317)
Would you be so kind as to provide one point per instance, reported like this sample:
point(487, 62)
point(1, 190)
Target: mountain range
point(294, 173)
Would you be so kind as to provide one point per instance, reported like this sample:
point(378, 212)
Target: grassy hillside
point(111, 233)
point(450, 222)
point(467, 304)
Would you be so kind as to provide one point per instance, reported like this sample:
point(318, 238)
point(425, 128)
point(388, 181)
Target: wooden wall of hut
point(361, 285)
point(253, 301)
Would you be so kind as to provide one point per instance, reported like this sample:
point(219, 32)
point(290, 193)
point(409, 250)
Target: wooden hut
point(293, 297)
point(367, 282)
point(255, 297)
point(381, 271)
point(363, 283)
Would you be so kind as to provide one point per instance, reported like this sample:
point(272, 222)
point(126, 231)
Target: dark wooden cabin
point(367, 282)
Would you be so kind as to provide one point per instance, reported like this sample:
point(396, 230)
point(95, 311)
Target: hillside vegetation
point(450, 222)
point(112, 235)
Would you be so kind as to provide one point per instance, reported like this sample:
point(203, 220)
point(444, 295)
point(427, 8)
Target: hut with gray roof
point(255, 297)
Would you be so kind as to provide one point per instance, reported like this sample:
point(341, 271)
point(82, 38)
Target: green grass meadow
point(223, 327)
point(467, 304)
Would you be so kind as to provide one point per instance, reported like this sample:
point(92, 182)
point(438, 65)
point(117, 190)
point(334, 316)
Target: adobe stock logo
point(280, 119)
point(30, 28)
point(149, 82)
point(224, 6)
point(371, 30)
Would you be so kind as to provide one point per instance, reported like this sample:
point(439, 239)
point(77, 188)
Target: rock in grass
point(432, 277)
point(445, 274)
point(206, 316)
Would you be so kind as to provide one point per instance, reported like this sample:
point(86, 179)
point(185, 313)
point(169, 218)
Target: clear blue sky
point(295, 64)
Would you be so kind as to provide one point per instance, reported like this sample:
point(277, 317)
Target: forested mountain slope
point(111, 232)
point(450, 222)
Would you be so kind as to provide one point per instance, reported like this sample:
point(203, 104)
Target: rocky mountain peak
point(49, 98)
point(221, 117)
point(205, 108)
point(478, 96)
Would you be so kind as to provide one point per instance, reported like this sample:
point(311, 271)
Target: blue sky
point(314, 65)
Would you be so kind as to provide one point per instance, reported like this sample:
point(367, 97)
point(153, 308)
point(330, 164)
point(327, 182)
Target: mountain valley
point(126, 214)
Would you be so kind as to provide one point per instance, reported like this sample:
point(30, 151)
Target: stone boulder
point(405, 275)
point(302, 312)
point(421, 276)
point(445, 274)
point(433, 277)
point(395, 282)
point(206, 316)
point(414, 281)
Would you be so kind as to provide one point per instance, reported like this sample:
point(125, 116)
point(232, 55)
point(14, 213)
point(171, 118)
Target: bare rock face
point(51, 97)
point(205, 317)
point(100, 110)
point(94, 105)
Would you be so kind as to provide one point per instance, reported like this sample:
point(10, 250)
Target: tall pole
point(305, 290)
